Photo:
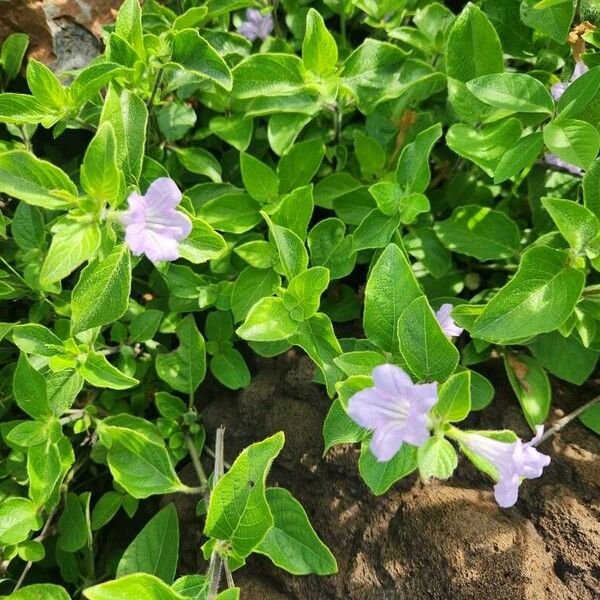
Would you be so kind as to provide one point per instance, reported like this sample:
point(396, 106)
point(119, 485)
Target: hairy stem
point(204, 487)
point(567, 419)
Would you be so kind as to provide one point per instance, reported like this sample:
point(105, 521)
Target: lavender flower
point(557, 90)
point(444, 318)
point(513, 461)
point(395, 408)
point(256, 25)
point(152, 225)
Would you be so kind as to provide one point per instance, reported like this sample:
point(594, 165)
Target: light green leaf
point(34, 338)
point(203, 243)
point(429, 354)
point(292, 544)
point(259, 179)
point(519, 157)
point(100, 176)
point(12, 54)
point(576, 142)
point(233, 213)
point(35, 181)
point(140, 586)
point(99, 372)
point(577, 224)
point(252, 285)
point(391, 287)
point(267, 321)
point(436, 458)
point(29, 390)
point(413, 173)
point(303, 295)
point(101, 295)
point(239, 512)
point(538, 299)
point(230, 368)
point(380, 476)
point(141, 466)
point(40, 591)
point(319, 50)
point(454, 394)
point(18, 516)
point(72, 525)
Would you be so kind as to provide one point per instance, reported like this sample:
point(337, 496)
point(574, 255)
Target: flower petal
point(163, 194)
point(370, 409)
point(391, 380)
point(386, 442)
point(506, 491)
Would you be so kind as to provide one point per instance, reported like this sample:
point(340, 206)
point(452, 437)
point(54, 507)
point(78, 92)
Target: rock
point(65, 34)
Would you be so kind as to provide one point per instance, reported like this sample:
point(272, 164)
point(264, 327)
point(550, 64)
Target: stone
point(64, 34)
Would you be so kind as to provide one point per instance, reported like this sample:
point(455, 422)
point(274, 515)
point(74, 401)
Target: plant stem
point(155, 87)
point(198, 467)
point(39, 294)
point(217, 562)
point(567, 419)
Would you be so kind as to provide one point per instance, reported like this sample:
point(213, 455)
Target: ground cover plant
point(403, 189)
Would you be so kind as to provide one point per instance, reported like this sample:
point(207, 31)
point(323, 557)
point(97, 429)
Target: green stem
point(38, 293)
point(204, 487)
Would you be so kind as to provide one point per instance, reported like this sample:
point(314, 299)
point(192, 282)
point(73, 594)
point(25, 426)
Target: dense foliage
point(384, 163)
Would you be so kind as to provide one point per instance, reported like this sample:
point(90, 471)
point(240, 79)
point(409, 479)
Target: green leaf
point(299, 164)
point(436, 458)
point(92, 78)
point(29, 390)
point(33, 338)
point(375, 230)
point(175, 120)
point(35, 181)
point(519, 157)
point(515, 92)
point(479, 231)
point(200, 161)
point(292, 253)
point(380, 476)
point(71, 245)
point(295, 210)
point(259, 179)
point(46, 87)
point(319, 50)
point(270, 74)
point(128, 115)
point(197, 56)
point(141, 466)
point(145, 325)
point(100, 176)
point(233, 213)
point(330, 248)
point(267, 321)
point(18, 516)
point(454, 394)
point(105, 509)
point(155, 549)
point(129, 25)
point(538, 299)
point(40, 591)
point(339, 428)
point(62, 388)
point(484, 146)
point(425, 246)
point(391, 287)
point(44, 470)
point(101, 295)
point(203, 243)
point(370, 155)
point(303, 295)
point(238, 511)
point(317, 338)
point(531, 385)
point(413, 173)
point(473, 48)
point(72, 525)
point(235, 130)
point(576, 142)
point(230, 368)
point(590, 417)
point(99, 372)
point(371, 73)
point(292, 544)
point(252, 285)
point(140, 585)
point(12, 54)
point(564, 357)
point(429, 354)
point(22, 109)
point(577, 224)
point(184, 368)
point(554, 20)
point(283, 129)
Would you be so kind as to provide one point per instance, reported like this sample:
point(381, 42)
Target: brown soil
point(437, 541)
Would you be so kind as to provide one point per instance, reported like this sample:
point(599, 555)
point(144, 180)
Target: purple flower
point(152, 225)
point(444, 318)
point(256, 25)
point(558, 89)
point(514, 461)
point(554, 161)
point(396, 410)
